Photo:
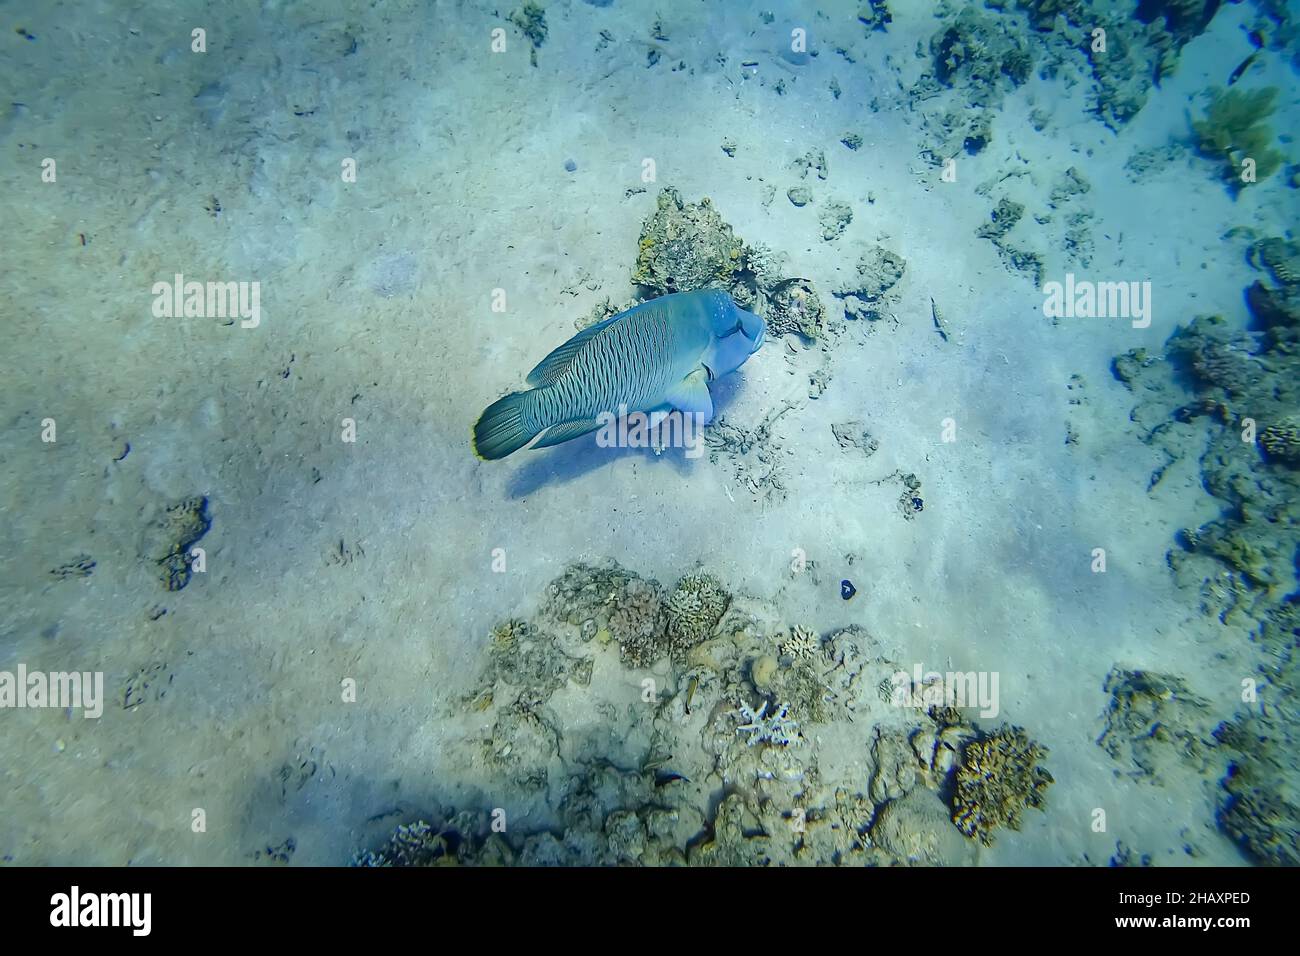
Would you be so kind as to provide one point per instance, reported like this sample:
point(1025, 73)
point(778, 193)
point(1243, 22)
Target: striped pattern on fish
point(657, 356)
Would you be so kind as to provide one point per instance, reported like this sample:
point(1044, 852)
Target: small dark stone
point(570, 165)
point(847, 590)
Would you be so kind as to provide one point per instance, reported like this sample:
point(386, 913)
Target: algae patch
point(1234, 131)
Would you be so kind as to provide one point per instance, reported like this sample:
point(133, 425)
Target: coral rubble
point(711, 759)
point(1232, 397)
point(685, 246)
point(170, 537)
point(1155, 723)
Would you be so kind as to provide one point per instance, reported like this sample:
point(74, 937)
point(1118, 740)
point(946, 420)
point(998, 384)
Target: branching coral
point(999, 776)
point(804, 644)
point(412, 844)
point(776, 728)
point(457, 842)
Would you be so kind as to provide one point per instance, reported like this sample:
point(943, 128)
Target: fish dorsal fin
point(558, 362)
point(691, 394)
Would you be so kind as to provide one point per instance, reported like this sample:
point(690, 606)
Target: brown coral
point(637, 623)
point(1215, 355)
point(999, 776)
point(172, 535)
point(796, 307)
point(694, 609)
point(1153, 722)
point(686, 247)
point(1280, 257)
point(1281, 440)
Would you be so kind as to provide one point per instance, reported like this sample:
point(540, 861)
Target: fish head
point(735, 335)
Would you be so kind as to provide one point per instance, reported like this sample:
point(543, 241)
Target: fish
point(1257, 41)
point(654, 358)
point(1242, 68)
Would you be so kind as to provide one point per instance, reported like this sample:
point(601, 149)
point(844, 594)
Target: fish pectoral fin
point(566, 431)
point(558, 362)
point(691, 394)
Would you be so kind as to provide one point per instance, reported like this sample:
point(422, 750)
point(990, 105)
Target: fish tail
point(502, 430)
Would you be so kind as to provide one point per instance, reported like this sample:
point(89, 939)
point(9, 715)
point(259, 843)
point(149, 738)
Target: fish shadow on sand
point(568, 462)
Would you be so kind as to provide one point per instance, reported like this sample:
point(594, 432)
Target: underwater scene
point(650, 432)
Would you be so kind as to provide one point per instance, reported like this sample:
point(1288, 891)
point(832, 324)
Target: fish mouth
point(756, 323)
point(757, 340)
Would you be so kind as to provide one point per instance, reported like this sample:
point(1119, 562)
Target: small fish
point(1245, 65)
point(940, 326)
point(654, 358)
point(665, 777)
